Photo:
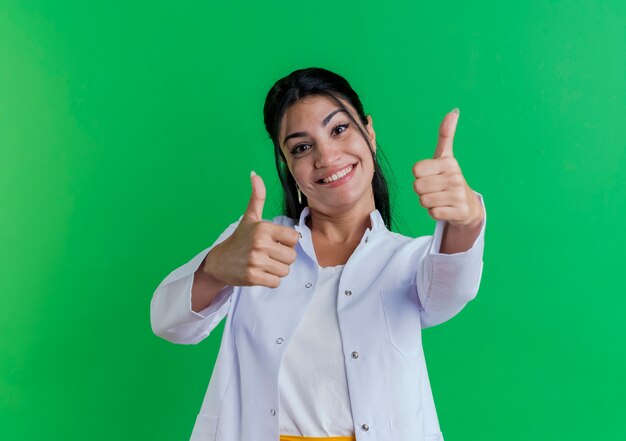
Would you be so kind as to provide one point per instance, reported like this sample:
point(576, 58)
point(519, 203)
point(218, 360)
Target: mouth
point(338, 177)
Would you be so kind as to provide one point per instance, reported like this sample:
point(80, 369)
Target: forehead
point(308, 110)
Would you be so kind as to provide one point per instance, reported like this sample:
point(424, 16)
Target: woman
point(325, 304)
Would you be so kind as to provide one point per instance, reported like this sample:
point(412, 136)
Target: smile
point(338, 175)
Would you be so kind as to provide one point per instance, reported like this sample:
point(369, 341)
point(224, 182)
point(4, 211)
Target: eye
point(300, 148)
point(341, 128)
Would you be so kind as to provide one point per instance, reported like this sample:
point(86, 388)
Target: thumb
point(254, 211)
point(446, 135)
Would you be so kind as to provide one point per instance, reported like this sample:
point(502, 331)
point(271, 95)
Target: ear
point(370, 132)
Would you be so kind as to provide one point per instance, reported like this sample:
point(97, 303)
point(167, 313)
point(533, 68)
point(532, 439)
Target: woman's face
point(327, 155)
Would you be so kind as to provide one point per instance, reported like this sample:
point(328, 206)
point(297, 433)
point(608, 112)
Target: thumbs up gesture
point(440, 184)
point(258, 253)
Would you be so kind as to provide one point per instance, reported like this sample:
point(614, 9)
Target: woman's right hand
point(258, 253)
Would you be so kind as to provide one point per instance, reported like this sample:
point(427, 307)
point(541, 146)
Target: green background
point(127, 134)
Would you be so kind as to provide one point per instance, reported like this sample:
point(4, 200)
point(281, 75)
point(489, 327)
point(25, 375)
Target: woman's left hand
point(440, 184)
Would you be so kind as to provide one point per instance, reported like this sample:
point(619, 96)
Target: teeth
point(340, 174)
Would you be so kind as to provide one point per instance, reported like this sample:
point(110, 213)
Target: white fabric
point(313, 387)
point(398, 284)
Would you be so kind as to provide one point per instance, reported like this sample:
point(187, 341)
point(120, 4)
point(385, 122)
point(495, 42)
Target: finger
point(460, 216)
point(446, 135)
point(257, 199)
point(283, 253)
point(276, 268)
point(442, 199)
point(269, 280)
point(430, 167)
point(450, 181)
point(285, 235)
point(430, 184)
point(443, 213)
point(262, 278)
point(271, 266)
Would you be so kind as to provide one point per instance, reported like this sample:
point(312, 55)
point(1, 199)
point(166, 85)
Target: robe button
point(280, 340)
point(273, 412)
point(355, 354)
point(308, 285)
point(366, 239)
point(365, 427)
point(348, 293)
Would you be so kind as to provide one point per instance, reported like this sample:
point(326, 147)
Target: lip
point(341, 180)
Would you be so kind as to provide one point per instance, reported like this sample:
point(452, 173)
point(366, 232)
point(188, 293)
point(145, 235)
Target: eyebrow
point(325, 122)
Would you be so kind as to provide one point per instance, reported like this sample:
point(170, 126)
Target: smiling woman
point(324, 304)
point(333, 165)
point(313, 88)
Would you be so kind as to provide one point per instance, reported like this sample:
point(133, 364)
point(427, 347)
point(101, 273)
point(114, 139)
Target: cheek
point(359, 145)
point(361, 149)
point(367, 160)
point(299, 171)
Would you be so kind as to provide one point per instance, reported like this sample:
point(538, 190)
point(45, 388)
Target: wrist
point(473, 222)
point(207, 270)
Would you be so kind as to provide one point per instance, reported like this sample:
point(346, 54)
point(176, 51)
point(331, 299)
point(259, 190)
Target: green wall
point(127, 134)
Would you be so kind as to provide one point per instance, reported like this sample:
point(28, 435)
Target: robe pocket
point(402, 315)
point(205, 428)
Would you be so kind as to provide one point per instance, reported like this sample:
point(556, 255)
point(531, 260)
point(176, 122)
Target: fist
point(258, 253)
point(440, 185)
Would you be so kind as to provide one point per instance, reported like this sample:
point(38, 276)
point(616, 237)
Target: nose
point(326, 154)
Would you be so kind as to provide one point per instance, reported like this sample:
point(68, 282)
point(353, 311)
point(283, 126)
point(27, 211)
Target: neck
point(342, 226)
